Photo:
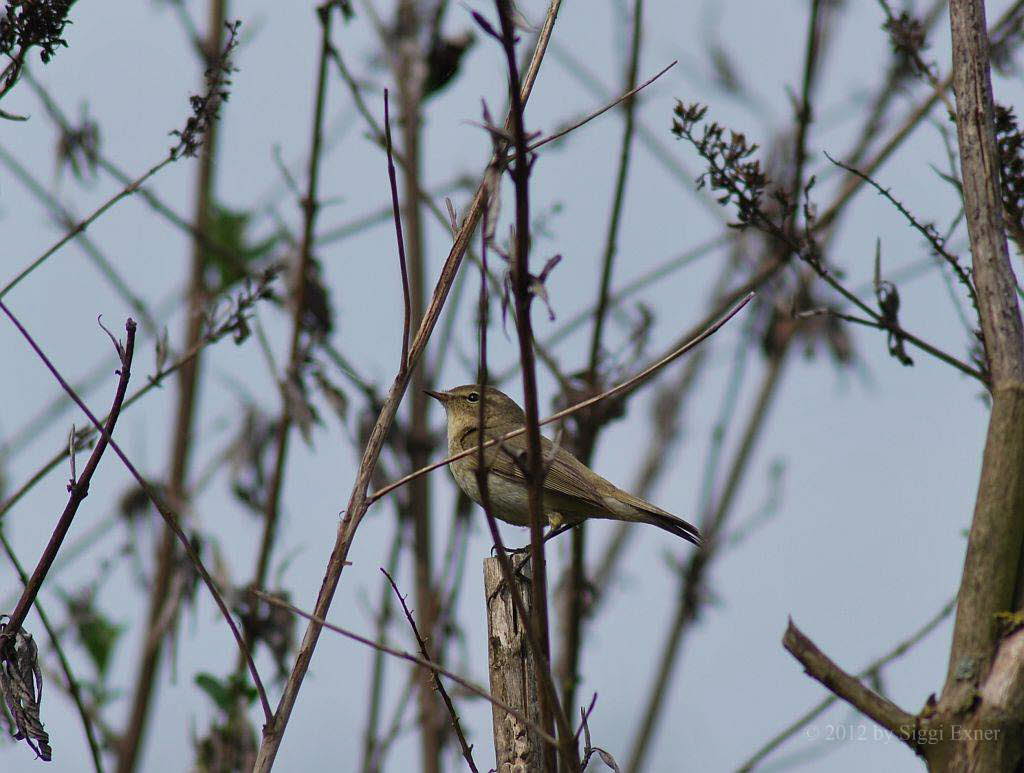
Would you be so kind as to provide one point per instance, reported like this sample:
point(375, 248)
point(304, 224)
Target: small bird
point(572, 491)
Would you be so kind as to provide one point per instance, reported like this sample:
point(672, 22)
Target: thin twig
point(551, 714)
point(867, 672)
point(467, 750)
point(358, 501)
point(818, 665)
point(600, 111)
point(168, 515)
point(82, 225)
point(73, 687)
point(79, 489)
point(416, 659)
point(407, 316)
point(926, 230)
point(620, 388)
point(63, 216)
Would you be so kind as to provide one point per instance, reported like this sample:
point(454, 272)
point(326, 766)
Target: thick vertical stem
point(519, 272)
point(310, 209)
point(513, 675)
point(576, 580)
point(188, 384)
point(992, 565)
point(358, 502)
point(409, 75)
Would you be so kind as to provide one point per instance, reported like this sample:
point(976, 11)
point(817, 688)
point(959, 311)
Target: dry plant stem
point(371, 743)
point(707, 329)
point(181, 443)
point(991, 578)
point(409, 61)
point(691, 579)
point(407, 316)
point(310, 209)
point(511, 670)
point(867, 672)
point(522, 681)
point(79, 489)
point(82, 225)
point(633, 91)
point(467, 750)
point(408, 656)
point(165, 512)
point(651, 140)
point(519, 684)
point(155, 381)
point(849, 688)
point(359, 501)
point(519, 274)
point(73, 688)
point(67, 220)
point(852, 185)
point(575, 584)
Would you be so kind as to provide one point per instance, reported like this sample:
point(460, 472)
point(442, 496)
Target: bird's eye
point(472, 397)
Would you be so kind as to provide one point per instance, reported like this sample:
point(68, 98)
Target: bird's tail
point(626, 507)
point(674, 525)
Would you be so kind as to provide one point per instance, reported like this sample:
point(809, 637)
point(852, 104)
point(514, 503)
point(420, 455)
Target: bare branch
point(416, 659)
point(818, 665)
point(169, 516)
point(621, 388)
point(467, 750)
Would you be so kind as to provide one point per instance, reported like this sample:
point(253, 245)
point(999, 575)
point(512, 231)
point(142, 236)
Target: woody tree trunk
point(983, 697)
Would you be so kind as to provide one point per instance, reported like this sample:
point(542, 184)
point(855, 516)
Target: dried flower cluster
point(907, 38)
point(732, 174)
point(206, 106)
point(28, 23)
point(1010, 144)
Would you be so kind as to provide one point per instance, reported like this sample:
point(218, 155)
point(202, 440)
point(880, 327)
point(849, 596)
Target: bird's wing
point(566, 474)
point(569, 489)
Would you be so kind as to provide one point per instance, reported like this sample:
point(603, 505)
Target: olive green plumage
point(572, 491)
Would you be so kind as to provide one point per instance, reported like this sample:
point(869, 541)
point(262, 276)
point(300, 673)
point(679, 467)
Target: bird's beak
point(441, 397)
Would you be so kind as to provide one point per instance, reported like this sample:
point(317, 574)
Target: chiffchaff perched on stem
point(572, 491)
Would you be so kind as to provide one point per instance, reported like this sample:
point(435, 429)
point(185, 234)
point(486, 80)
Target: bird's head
point(462, 405)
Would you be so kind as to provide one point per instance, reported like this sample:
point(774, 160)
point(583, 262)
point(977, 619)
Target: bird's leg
point(517, 571)
point(517, 566)
point(558, 526)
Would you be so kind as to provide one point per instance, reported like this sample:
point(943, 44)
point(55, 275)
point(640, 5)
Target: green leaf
point(95, 630)
point(228, 252)
point(99, 636)
point(219, 693)
point(226, 693)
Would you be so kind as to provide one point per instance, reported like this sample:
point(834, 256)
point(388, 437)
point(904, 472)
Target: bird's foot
point(518, 558)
